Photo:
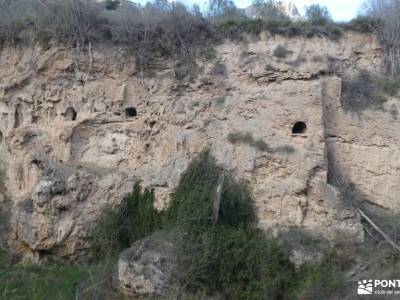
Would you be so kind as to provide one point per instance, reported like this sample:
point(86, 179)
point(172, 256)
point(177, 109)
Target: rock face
point(76, 133)
point(148, 267)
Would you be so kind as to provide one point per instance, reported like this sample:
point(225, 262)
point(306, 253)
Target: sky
point(341, 10)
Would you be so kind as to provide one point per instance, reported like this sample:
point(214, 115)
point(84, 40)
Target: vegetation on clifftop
point(156, 28)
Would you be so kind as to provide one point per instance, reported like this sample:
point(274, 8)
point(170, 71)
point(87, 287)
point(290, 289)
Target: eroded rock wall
point(60, 169)
point(363, 147)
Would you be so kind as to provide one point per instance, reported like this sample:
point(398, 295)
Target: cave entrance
point(299, 128)
point(70, 114)
point(130, 112)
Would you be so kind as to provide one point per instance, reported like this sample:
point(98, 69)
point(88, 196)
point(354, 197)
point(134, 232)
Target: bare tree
point(68, 21)
point(14, 15)
point(159, 28)
point(387, 12)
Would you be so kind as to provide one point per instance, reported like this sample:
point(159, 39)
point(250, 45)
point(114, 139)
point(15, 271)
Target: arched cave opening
point(70, 114)
point(36, 162)
point(299, 128)
point(130, 112)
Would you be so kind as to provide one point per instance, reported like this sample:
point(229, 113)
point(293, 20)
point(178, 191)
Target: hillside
point(309, 124)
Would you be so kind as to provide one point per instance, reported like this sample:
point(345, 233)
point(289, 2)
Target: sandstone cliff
point(77, 131)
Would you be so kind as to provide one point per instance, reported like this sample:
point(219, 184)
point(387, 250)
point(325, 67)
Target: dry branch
point(217, 197)
point(378, 229)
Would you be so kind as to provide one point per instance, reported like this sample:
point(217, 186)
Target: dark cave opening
point(70, 114)
point(299, 128)
point(130, 112)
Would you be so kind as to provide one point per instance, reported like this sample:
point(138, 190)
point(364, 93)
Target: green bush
point(296, 29)
point(234, 29)
point(44, 40)
point(191, 204)
point(184, 70)
point(112, 4)
point(52, 280)
point(251, 26)
point(231, 258)
point(386, 84)
point(367, 90)
point(334, 32)
point(239, 264)
point(209, 54)
point(321, 280)
point(362, 24)
point(318, 15)
point(117, 228)
point(281, 51)
point(272, 15)
point(219, 68)
point(387, 221)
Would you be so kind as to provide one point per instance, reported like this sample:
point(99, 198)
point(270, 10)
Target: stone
point(149, 267)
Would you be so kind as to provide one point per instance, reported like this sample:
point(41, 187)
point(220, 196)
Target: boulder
point(149, 266)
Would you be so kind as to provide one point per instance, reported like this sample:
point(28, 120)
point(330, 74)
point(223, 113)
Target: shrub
point(281, 51)
point(272, 15)
point(362, 24)
point(54, 280)
point(157, 28)
point(269, 67)
point(321, 280)
point(191, 205)
point(234, 29)
point(298, 61)
point(112, 4)
point(187, 71)
point(209, 54)
point(388, 29)
point(232, 259)
point(387, 221)
point(239, 264)
point(387, 84)
point(117, 228)
point(277, 27)
point(73, 22)
point(252, 26)
point(15, 16)
point(367, 91)
point(44, 40)
point(317, 15)
point(295, 29)
point(334, 32)
point(229, 258)
point(219, 68)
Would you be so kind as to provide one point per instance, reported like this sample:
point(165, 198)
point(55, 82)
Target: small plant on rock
point(281, 52)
